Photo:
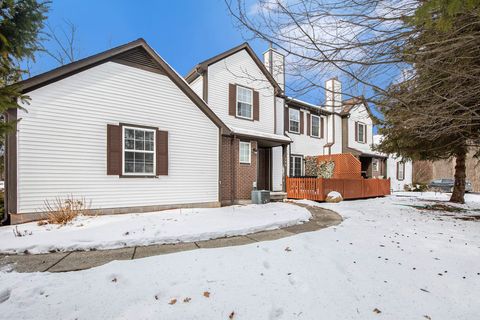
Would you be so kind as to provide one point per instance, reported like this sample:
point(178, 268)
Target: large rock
point(334, 197)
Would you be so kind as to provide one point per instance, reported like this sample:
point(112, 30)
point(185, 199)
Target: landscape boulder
point(334, 197)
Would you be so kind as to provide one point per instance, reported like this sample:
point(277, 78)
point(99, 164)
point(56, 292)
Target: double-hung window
point(361, 132)
point(245, 152)
point(296, 166)
point(294, 120)
point(375, 163)
point(315, 126)
point(244, 103)
point(138, 151)
point(400, 170)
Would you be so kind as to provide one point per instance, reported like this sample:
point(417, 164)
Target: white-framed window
point(361, 132)
point(245, 152)
point(296, 164)
point(294, 120)
point(400, 171)
point(244, 103)
point(315, 125)
point(138, 151)
point(375, 164)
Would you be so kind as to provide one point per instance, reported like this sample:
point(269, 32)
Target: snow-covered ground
point(387, 260)
point(172, 226)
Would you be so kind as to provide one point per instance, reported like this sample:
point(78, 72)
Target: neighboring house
point(249, 98)
point(120, 128)
point(426, 171)
point(399, 171)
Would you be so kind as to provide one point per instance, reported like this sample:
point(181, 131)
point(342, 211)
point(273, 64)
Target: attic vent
point(138, 57)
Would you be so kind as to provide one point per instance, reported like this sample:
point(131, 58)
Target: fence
point(346, 165)
point(318, 188)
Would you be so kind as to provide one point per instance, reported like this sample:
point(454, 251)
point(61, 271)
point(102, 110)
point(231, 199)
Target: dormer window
point(244, 103)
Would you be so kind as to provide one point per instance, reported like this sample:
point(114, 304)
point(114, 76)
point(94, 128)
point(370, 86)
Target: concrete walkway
point(80, 260)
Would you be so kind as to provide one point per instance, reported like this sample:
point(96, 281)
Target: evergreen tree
point(435, 113)
point(20, 24)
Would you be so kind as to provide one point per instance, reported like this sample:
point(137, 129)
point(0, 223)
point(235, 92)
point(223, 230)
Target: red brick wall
point(245, 174)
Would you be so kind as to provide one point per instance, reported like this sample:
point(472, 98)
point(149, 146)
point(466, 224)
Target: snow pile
point(334, 197)
point(387, 260)
point(171, 226)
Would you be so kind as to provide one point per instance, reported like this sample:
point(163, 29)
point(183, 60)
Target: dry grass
point(63, 210)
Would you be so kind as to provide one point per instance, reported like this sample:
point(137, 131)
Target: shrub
point(416, 187)
point(63, 210)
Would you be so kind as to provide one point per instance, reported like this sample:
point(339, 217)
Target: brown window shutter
point(162, 153)
point(302, 125)
point(232, 99)
point(114, 150)
point(286, 120)
point(256, 106)
point(308, 124)
point(321, 127)
point(365, 134)
point(356, 131)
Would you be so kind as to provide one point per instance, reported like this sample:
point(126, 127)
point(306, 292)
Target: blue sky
point(183, 32)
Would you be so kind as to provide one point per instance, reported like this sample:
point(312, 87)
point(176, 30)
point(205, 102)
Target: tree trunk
point(458, 195)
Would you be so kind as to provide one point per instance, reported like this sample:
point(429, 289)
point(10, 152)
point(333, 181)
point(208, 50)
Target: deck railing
point(318, 188)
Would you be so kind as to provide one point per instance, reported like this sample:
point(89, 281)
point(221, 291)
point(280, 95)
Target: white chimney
point(333, 95)
point(275, 63)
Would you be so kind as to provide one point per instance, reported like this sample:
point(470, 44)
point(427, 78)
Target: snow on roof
point(304, 102)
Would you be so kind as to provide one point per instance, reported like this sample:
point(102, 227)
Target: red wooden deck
point(318, 188)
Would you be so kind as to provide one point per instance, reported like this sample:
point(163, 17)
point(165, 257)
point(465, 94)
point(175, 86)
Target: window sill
point(293, 132)
point(244, 118)
point(137, 176)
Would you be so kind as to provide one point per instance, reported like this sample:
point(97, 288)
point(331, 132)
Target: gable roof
point(203, 66)
point(349, 104)
point(136, 53)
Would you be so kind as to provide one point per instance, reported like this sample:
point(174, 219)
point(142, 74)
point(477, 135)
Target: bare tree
point(356, 40)
point(63, 42)
point(418, 60)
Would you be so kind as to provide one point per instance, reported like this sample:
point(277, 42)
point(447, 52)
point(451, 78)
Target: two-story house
point(124, 131)
point(249, 96)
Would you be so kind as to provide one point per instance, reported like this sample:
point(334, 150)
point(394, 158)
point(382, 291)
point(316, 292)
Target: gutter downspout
point(234, 168)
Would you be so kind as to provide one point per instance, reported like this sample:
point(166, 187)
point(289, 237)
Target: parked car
point(446, 185)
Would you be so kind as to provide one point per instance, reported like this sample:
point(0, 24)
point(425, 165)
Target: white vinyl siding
point(245, 154)
point(244, 103)
point(315, 126)
point(62, 140)
point(359, 114)
point(240, 69)
point(294, 120)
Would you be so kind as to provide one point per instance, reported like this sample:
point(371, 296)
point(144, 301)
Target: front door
point(263, 168)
